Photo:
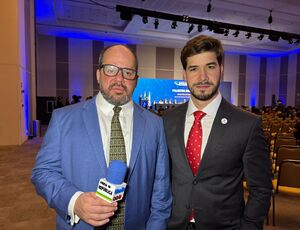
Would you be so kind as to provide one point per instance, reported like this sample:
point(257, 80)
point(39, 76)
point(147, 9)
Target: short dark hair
point(200, 44)
point(126, 46)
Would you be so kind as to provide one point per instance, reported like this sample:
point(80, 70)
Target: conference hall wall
point(66, 66)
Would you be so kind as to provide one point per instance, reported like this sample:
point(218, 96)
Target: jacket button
point(187, 206)
point(195, 182)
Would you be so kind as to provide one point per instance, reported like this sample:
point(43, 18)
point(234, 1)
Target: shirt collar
point(210, 110)
point(107, 107)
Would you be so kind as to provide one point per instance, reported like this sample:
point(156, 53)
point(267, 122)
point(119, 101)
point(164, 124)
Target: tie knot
point(117, 110)
point(199, 115)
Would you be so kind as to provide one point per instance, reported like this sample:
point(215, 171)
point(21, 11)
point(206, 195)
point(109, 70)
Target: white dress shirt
point(206, 122)
point(105, 113)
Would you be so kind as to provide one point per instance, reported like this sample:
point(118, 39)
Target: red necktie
point(194, 142)
point(193, 146)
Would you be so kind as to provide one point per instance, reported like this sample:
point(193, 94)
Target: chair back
point(283, 141)
point(289, 172)
point(287, 152)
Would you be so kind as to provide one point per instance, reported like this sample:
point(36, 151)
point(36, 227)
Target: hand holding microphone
point(112, 187)
point(97, 211)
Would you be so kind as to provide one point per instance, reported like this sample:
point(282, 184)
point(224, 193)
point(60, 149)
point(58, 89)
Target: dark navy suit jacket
point(234, 150)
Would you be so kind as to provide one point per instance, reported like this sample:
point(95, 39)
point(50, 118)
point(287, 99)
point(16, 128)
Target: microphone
point(112, 187)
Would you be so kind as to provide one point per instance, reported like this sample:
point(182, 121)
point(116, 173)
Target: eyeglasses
point(112, 70)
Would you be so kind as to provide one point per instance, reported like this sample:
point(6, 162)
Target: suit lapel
point(139, 123)
point(217, 133)
point(91, 121)
point(179, 135)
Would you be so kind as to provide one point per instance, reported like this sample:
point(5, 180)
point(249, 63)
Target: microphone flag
point(112, 187)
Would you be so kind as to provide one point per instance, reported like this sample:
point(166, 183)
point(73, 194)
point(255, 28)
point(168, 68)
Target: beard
point(115, 99)
point(202, 96)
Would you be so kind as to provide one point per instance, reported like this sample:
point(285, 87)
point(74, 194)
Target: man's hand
point(93, 209)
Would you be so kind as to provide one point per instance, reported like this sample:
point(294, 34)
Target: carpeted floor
point(21, 208)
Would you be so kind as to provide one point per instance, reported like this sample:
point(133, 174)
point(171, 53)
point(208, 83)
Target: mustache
point(203, 83)
point(117, 84)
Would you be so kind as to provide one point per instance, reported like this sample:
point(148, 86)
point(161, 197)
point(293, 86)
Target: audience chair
point(286, 152)
point(287, 182)
point(279, 141)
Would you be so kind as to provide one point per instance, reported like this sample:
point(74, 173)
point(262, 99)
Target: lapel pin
point(224, 121)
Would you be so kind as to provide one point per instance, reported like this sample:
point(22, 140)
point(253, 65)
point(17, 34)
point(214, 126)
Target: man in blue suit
point(75, 154)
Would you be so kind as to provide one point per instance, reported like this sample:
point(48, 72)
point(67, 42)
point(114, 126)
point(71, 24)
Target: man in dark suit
point(210, 156)
point(77, 150)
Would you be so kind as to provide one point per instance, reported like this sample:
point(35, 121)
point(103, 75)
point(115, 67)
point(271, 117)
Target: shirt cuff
point(74, 219)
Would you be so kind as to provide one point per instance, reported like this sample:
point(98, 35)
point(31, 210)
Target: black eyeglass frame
point(119, 68)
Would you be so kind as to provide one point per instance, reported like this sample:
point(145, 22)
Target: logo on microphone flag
point(110, 192)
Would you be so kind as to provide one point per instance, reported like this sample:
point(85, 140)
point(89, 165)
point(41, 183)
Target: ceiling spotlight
point(200, 28)
point(248, 35)
point(297, 42)
point(236, 33)
point(226, 32)
point(156, 23)
point(174, 25)
point(208, 9)
point(260, 37)
point(274, 37)
point(191, 27)
point(145, 19)
point(270, 19)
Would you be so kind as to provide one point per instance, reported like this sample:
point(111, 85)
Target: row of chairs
point(287, 182)
point(285, 155)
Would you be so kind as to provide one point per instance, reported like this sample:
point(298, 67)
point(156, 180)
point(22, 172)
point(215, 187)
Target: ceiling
point(99, 20)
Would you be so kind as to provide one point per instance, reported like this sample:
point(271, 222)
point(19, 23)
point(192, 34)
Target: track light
point(260, 37)
point(226, 32)
point(248, 35)
point(208, 9)
point(126, 13)
point(274, 37)
point(156, 23)
point(174, 25)
point(145, 19)
point(191, 27)
point(200, 28)
point(270, 19)
point(236, 33)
